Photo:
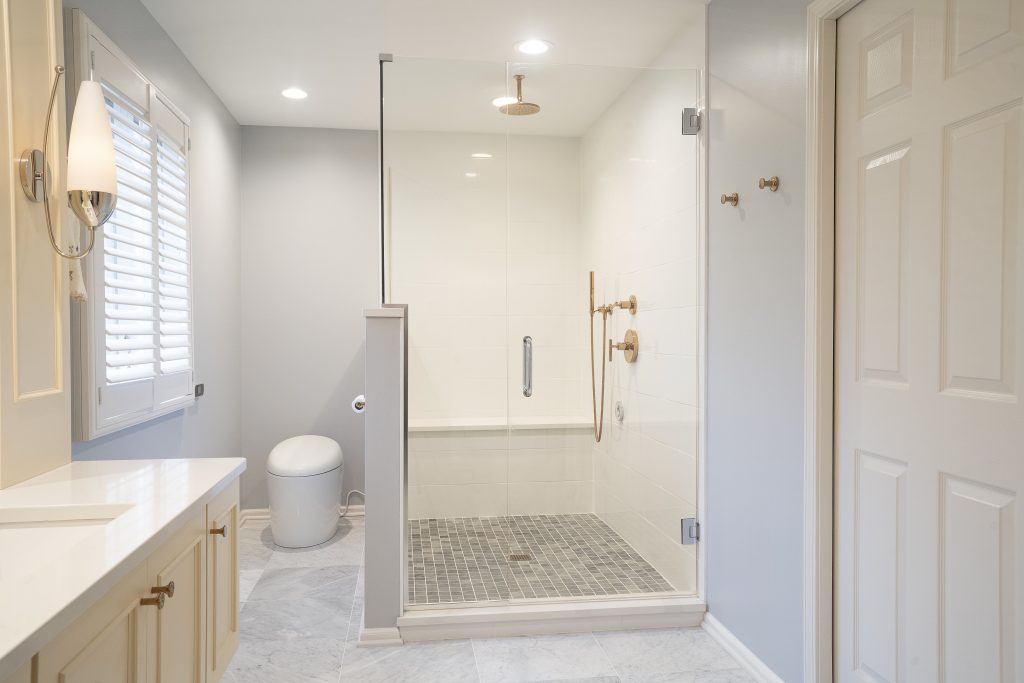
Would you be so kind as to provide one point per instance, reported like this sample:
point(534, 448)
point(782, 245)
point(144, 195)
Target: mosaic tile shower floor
point(479, 559)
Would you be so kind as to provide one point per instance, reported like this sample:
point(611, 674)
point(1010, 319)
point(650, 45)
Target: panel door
point(106, 644)
point(177, 645)
point(222, 596)
point(929, 345)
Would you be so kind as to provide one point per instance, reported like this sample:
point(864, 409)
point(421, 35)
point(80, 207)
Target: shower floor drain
point(519, 557)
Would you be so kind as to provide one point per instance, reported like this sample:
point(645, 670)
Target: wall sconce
point(92, 175)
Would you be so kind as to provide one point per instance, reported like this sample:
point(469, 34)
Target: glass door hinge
point(691, 121)
point(691, 530)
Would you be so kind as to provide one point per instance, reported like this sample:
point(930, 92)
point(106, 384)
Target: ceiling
point(250, 50)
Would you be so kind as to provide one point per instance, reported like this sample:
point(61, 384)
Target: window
point(134, 337)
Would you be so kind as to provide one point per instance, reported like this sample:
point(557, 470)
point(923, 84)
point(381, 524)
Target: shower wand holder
point(630, 347)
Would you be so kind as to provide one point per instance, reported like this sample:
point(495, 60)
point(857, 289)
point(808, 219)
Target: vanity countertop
point(69, 535)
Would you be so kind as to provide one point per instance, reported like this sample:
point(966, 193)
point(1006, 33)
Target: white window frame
point(139, 400)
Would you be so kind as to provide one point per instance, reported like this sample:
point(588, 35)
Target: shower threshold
point(548, 617)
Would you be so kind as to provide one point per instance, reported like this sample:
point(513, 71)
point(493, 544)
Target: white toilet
point(304, 482)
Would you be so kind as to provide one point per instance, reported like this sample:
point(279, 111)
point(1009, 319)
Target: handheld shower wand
point(604, 311)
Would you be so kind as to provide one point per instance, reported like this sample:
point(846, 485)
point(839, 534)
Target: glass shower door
point(607, 184)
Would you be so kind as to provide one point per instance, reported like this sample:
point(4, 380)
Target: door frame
point(819, 321)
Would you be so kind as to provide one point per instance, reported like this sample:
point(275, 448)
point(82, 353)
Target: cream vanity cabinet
point(172, 620)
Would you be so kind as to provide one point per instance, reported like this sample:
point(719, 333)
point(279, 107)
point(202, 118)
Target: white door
point(929, 573)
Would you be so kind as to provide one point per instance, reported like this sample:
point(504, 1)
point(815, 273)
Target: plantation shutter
point(137, 335)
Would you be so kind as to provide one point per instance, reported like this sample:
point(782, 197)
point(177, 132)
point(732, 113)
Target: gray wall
point(756, 57)
point(212, 427)
point(309, 268)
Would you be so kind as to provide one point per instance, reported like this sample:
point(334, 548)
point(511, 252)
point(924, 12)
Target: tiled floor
point(475, 559)
point(302, 611)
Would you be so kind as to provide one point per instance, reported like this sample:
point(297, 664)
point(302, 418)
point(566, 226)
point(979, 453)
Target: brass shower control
point(733, 198)
point(627, 305)
point(769, 183)
point(630, 346)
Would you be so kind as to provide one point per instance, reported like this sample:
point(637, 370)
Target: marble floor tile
point(345, 548)
point(286, 620)
point(295, 583)
point(247, 579)
point(639, 654)
point(447, 661)
point(730, 676)
point(540, 658)
point(311, 660)
point(255, 546)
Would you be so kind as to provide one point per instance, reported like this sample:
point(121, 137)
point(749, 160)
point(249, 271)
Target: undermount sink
point(32, 535)
point(59, 515)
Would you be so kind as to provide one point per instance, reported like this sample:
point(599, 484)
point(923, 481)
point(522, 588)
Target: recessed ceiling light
point(482, 155)
point(471, 174)
point(295, 93)
point(532, 46)
point(502, 101)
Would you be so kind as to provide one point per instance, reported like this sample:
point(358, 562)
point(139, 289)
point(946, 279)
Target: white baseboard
point(263, 514)
point(549, 618)
point(253, 515)
point(379, 637)
point(753, 665)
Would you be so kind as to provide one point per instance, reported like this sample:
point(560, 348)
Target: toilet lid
point(304, 456)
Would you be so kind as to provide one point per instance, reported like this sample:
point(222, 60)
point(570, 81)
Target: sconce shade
point(91, 144)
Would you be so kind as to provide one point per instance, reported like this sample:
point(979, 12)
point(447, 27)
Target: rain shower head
point(519, 108)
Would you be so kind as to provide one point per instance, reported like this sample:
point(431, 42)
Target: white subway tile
point(550, 498)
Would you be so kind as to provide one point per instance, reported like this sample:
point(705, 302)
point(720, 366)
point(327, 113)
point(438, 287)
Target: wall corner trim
point(819, 299)
point(731, 644)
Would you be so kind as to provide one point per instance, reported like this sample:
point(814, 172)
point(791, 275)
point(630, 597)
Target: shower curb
point(549, 618)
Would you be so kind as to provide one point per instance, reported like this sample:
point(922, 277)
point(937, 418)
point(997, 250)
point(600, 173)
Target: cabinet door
point(106, 644)
point(222, 548)
point(176, 635)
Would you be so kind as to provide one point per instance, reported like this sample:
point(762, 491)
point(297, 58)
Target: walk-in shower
point(509, 237)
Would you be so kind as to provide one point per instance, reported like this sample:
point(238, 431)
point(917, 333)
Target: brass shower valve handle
point(733, 198)
point(629, 304)
point(630, 346)
point(771, 184)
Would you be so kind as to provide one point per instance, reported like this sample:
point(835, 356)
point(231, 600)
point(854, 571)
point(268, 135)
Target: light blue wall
point(212, 427)
point(310, 265)
point(756, 58)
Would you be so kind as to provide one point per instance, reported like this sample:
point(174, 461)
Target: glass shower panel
point(446, 251)
point(446, 242)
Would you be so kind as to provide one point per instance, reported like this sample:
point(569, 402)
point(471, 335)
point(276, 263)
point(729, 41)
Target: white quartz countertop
point(50, 576)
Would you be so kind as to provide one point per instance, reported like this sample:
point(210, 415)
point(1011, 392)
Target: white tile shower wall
point(484, 260)
point(483, 473)
point(639, 217)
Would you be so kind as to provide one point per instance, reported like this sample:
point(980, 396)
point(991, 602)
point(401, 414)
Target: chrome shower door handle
point(527, 366)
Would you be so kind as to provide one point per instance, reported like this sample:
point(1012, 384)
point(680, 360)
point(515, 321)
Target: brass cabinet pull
point(167, 590)
point(157, 600)
point(769, 183)
point(733, 198)
point(223, 531)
